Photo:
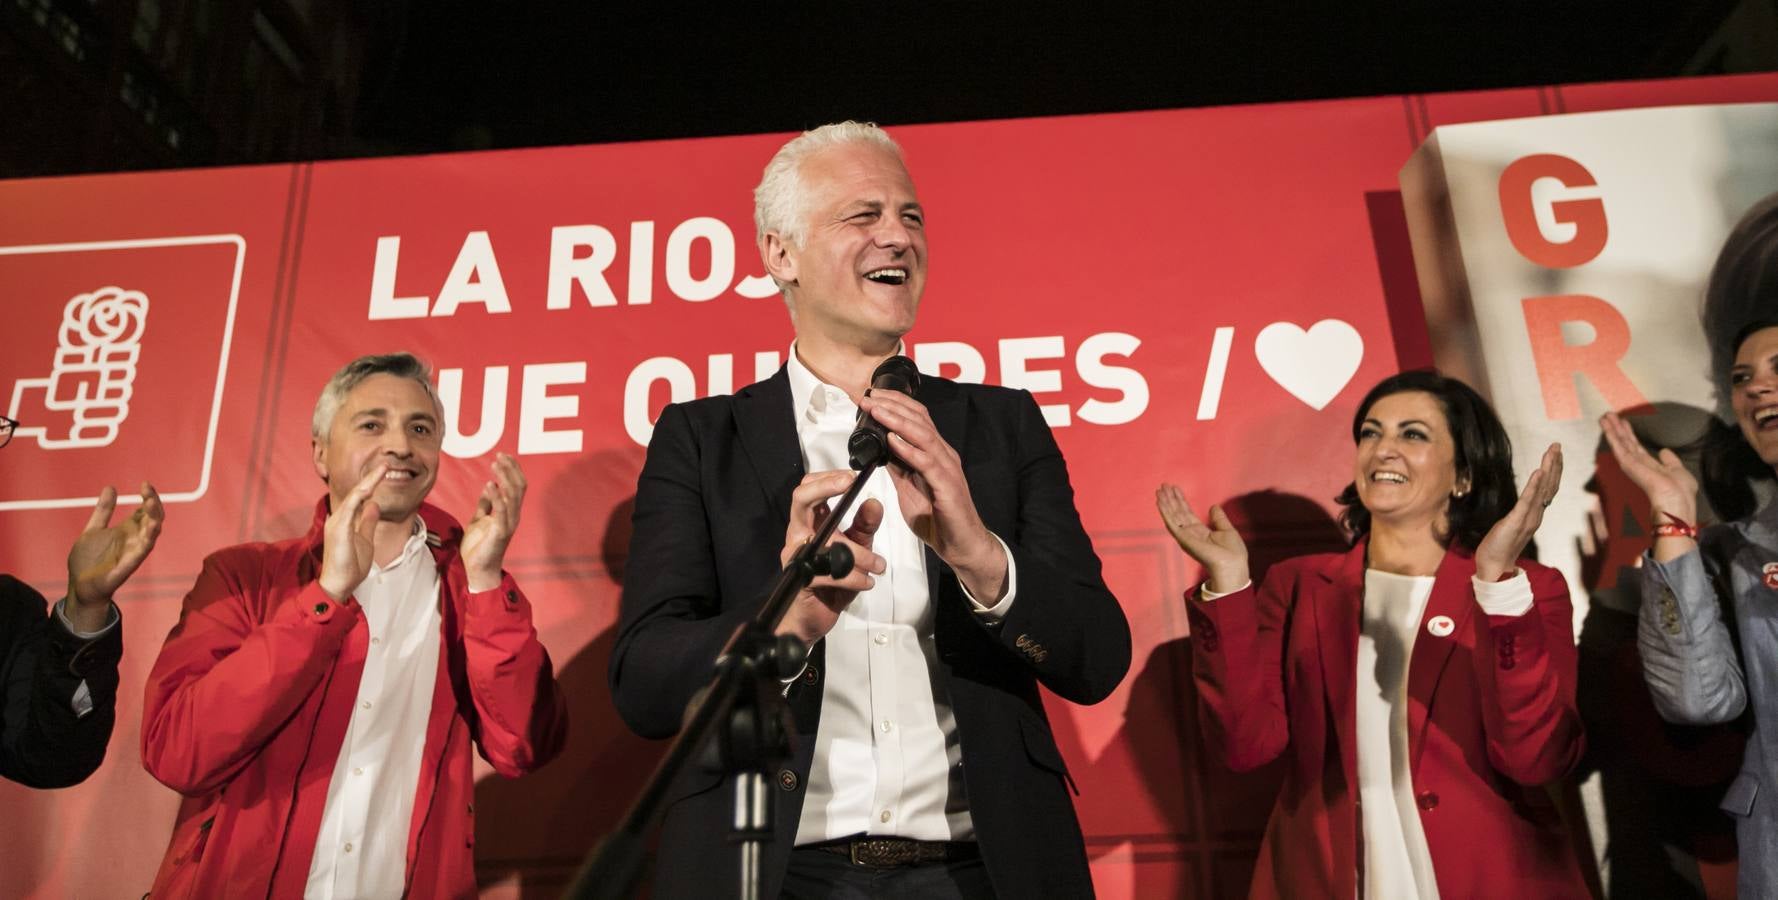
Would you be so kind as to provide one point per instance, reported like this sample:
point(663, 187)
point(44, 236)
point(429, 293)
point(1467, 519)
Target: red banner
point(1198, 296)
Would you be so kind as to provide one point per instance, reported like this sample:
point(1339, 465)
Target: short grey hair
point(781, 201)
point(401, 365)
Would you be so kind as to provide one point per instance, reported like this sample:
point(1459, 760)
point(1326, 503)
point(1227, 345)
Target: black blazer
point(711, 509)
point(43, 744)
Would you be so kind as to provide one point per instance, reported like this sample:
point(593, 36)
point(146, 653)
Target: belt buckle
point(876, 853)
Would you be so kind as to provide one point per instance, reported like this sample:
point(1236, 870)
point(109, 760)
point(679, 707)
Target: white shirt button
point(365, 704)
point(882, 818)
point(886, 726)
point(376, 640)
point(358, 770)
point(881, 638)
point(349, 843)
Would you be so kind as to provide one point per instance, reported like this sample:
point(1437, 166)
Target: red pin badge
point(1770, 573)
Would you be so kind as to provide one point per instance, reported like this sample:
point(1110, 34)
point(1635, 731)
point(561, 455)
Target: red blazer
point(248, 703)
point(1491, 718)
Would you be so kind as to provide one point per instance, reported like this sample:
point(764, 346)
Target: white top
point(361, 850)
point(887, 760)
point(1396, 862)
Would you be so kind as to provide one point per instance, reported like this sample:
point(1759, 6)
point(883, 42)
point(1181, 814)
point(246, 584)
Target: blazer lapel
point(767, 427)
point(1336, 624)
point(1452, 598)
point(945, 403)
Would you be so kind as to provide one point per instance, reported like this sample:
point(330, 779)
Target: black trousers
point(821, 875)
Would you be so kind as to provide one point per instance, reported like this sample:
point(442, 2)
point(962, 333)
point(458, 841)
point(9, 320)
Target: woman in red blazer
point(1421, 683)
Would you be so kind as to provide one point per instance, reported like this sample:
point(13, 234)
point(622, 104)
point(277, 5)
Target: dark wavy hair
point(1738, 301)
point(1484, 455)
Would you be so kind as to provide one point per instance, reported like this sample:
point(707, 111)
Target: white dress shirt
point(886, 759)
point(361, 850)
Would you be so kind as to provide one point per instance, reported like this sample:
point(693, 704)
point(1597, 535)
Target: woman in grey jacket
point(1709, 619)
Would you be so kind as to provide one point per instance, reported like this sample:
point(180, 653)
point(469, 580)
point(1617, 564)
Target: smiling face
point(856, 279)
point(384, 418)
point(1754, 398)
point(1406, 464)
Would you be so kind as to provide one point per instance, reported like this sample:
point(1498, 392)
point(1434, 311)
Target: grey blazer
point(1696, 675)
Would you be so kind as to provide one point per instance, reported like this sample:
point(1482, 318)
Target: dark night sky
point(456, 74)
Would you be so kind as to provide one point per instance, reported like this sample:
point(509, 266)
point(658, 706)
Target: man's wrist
point(86, 616)
point(482, 581)
point(336, 594)
point(984, 572)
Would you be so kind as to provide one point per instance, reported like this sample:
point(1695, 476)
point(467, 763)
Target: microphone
point(869, 443)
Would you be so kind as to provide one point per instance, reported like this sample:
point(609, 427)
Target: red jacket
point(1491, 718)
point(248, 703)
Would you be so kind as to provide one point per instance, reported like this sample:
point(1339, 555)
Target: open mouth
point(1766, 419)
point(1389, 478)
point(888, 275)
point(399, 476)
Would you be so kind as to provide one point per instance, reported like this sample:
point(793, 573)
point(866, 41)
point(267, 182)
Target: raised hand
point(1216, 545)
point(815, 610)
point(487, 535)
point(934, 496)
point(1671, 490)
point(348, 543)
point(105, 556)
point(1501, 547)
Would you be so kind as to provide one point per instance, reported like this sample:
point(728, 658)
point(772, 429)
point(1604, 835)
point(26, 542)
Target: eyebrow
point(381, 413)
point(1372, 420)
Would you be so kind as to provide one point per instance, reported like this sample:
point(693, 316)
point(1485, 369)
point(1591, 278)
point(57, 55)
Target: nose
point(1763, 382)
point(893, 234)
point(397, 443)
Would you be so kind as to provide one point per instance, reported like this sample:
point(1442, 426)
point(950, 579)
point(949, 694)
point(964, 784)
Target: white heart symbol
point(1314, 365)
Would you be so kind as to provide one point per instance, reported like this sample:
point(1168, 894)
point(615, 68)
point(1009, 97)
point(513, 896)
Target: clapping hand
point(1501, 547)
point(1671, 489)
point(348, 538)
point(105, 555)
point(487, 535)
point(1216, 545)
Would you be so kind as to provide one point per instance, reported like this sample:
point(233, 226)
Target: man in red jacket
point(317, 700)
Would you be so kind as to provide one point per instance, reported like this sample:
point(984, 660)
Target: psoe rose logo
point(116, 366)
point(92, 372)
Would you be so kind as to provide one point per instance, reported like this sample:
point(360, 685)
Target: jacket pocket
point(1739, 799)
point(1040, 747)
point(198, 843)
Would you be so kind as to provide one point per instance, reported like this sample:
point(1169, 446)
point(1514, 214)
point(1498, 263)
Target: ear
point(318, 449)
point(1462, 486)
point(779, 257)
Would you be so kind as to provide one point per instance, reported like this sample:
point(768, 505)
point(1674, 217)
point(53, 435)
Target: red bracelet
point(1676, 527)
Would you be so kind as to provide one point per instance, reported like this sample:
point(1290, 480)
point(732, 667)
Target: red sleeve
point(1238, 664)
point(1526, 668)
point(522, 716)
point(224, 683)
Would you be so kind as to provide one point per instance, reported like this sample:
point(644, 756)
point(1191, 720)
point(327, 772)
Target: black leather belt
point(889, 853)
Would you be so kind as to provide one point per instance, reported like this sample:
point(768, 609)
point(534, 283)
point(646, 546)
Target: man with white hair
point(317, 702)
point(924, 765)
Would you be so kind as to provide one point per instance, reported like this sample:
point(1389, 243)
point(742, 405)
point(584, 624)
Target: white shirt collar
point(813, 398)
point(416, 543)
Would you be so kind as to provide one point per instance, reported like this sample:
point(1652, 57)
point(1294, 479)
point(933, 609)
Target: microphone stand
point(743, 711)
